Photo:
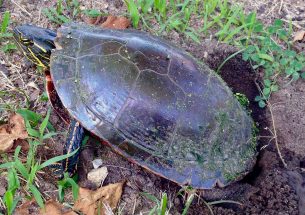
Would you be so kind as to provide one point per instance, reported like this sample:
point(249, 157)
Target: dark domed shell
point(154, 104)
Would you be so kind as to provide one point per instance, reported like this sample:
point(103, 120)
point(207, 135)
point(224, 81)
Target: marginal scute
point(154, 104)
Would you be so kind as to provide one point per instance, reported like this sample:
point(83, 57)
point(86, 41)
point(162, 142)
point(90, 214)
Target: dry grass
point(287, 10)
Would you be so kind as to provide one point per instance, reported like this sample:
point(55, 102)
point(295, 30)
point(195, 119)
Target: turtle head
point(35, 43)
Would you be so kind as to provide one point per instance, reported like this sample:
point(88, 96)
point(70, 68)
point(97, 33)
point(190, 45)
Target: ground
point(269, 189)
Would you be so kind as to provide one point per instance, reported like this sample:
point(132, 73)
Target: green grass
point(5, 35)
point(39, 129)
point(182, 15)
point(266, 47)
point(271, 51)
point(67, 11)
point(174, 15)
point(65, 183)
point(163, 205)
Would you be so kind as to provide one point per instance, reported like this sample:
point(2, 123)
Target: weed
point(188, 194)
point(162, 208)
point(242, 99)
point(65, 183)
point(55, 16)
point(161, 205)
point(36, 127)
point(172, 15)
point(134, 12)
point(13, 185)
point(276, 60)
point(5, 36)
point(67, 11)
point(92, 13)
point(258, 43)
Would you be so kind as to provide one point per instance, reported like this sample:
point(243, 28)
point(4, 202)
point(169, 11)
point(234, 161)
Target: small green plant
point(266, 47)
point(270, 49)
point(162, 208)
point(5, 36)
point(161, 205)
point(170, 15)
point(65, 183)
point(134, 11)
point(13, 185)
point(242, 99)
point(36, 127)
point(188, 194)
point(67, 11)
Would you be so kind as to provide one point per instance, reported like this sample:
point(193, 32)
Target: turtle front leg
point(74, 140)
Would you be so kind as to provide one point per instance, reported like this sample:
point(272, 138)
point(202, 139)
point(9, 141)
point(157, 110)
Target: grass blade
point(75, 188)
point(44, 123)
point(55, 159)
point(188, 204)
point(150, 197)
point(21, 169)
point(163, 203)
point(5, 21)
point(37, 195)
point(7, 165)
point(134, 12)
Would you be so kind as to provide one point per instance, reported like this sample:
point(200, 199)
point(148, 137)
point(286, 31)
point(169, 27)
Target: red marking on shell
point(55, 100)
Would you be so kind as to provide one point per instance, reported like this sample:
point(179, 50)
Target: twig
point(224, 201)
point(134, 206)
point(9, 84)
point(281, 5)
point(24, 10)
point(209, 207)
point(294, 24)
point(275, 135)
point(2, 203)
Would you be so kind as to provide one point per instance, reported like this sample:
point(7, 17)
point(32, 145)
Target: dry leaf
point(33, 85)
point(24, 208)
point(89, 201)
point(12, 131)
point(25, 146)
point(54, 208)
point(94, 20)
point(299, 36)
point(116, 22)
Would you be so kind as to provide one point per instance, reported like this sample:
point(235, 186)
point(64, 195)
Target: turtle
point(147, 99)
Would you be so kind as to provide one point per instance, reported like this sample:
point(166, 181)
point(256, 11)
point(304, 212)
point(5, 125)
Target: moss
point(230, 176)
point(243, 100)
point(255, 132)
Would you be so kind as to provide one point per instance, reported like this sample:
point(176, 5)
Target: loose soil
point(268, 189)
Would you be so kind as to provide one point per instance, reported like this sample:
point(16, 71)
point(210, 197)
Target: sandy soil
point(269, 189)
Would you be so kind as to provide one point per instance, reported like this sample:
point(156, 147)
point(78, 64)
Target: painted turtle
point(150, 101)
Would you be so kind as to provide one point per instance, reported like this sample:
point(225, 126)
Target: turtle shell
point(154, 104)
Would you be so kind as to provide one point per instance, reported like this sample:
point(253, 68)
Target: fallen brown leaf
point(12, 131)
point(116, 22)
point(24, 208)
point(299, 36)
point(106, 197)
point(25, 146)
point(94, 20)
point(54, 208)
